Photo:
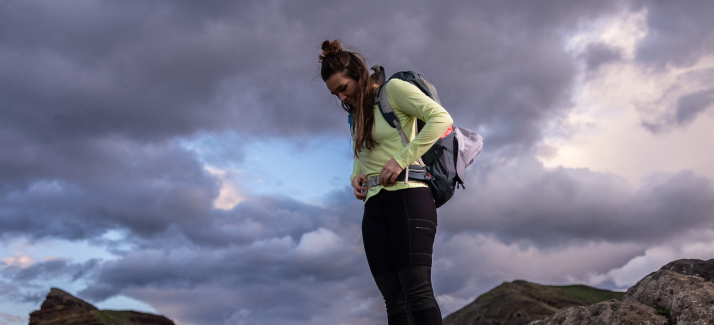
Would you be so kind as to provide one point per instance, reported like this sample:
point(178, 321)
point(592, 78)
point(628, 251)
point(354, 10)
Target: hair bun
point(330, 48)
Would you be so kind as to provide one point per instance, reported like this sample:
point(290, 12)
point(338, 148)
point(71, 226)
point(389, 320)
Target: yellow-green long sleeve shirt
point(409, 104)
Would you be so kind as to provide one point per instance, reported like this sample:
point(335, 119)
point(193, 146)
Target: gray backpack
point(443, 166)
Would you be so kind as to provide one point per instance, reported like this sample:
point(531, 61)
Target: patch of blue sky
point(38, 251)
point(304, 168)
point(122, 302)
point(22, 252)
point(19, 310)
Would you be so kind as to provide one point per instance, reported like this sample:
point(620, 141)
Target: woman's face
point(342, 87)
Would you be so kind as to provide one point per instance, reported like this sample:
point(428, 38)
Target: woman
point(399, 221)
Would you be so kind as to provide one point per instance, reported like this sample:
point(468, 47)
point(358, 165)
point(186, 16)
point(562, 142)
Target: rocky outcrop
point(61, 308)
point(683, 289)
point(606, 313)
point(520, 302)
point(681, 292)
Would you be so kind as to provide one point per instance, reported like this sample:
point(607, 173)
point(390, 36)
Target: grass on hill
point(589, 295)
point(113, 317)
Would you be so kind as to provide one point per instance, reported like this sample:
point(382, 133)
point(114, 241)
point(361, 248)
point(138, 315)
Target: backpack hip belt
point(415, 173)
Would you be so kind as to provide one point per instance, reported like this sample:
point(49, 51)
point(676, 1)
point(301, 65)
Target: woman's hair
point(353, 65)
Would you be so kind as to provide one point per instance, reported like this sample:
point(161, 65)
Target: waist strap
point(412, 172)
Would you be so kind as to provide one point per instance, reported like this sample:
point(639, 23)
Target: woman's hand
point(360, 191)
point(389, 172)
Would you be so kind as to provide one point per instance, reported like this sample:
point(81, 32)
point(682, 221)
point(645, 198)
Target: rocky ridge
point(60, 308)
point(681, 292)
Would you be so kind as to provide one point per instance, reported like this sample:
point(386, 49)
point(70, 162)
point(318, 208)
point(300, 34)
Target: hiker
point(399, 221)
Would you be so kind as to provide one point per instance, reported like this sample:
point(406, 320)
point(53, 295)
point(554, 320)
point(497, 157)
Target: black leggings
point(398, 228)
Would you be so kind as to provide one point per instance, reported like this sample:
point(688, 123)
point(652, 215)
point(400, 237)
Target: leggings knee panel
point(416, 284)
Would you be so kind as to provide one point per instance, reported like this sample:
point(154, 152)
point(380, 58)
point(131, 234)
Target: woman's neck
point(373, 85)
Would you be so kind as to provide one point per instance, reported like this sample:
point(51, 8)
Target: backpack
point(443, 166)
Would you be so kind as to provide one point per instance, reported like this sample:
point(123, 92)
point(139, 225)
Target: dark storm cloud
point(94, 95)
point(79, 189)
point(145, 70)
point(520, 200)
point(23, 287)
point(689, 106)
point(500, 66)
point(279, 277)
point(273, 216)
point(598, 54)
point(283, 302)
point(52, 269)
point(91, 93)
point(678, 32)
point(259, 239)
point(169, 69)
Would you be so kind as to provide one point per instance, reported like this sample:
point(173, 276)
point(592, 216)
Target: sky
point(185, 158)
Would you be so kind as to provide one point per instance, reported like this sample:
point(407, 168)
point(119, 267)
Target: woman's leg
point(398, 230)
point(377, 246)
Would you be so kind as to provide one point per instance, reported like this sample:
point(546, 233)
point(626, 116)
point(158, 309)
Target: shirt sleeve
point(409, 100)
point(356, 169)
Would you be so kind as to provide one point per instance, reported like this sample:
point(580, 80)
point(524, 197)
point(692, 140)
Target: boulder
point(683, 290)
point(611, 312)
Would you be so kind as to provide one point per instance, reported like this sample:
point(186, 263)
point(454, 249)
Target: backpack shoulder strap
point(388, 113)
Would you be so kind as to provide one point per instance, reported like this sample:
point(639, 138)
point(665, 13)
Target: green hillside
point(520, 302)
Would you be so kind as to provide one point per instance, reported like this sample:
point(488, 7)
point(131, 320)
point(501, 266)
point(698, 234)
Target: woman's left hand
point(389, 172)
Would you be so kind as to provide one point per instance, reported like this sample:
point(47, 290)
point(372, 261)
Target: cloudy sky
point(185, 158)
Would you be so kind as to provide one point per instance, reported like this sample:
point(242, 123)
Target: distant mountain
point(61, 308)
point(520, 302)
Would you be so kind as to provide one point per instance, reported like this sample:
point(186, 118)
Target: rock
point(520, 302)
point(611, 312)
point(680, 293)
point(683, 288)
point(61, 308)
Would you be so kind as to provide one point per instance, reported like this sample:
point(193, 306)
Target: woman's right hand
point(360, 191)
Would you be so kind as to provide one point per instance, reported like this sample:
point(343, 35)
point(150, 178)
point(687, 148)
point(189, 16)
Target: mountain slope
point(520, 302)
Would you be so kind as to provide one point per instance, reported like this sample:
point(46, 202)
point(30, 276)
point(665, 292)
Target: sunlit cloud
point(229, 193)
point(697, 245)
point(625, 116)
point(18, 260)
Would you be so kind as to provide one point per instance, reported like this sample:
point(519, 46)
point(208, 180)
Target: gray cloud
point(95, 97)
point(91, 93)
point(689, 106)
point(80, 189)
point(597, 54)
point(281, 239)
point(170, 69)
point(678, 33)
point(520, 200)
point(49, 270)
